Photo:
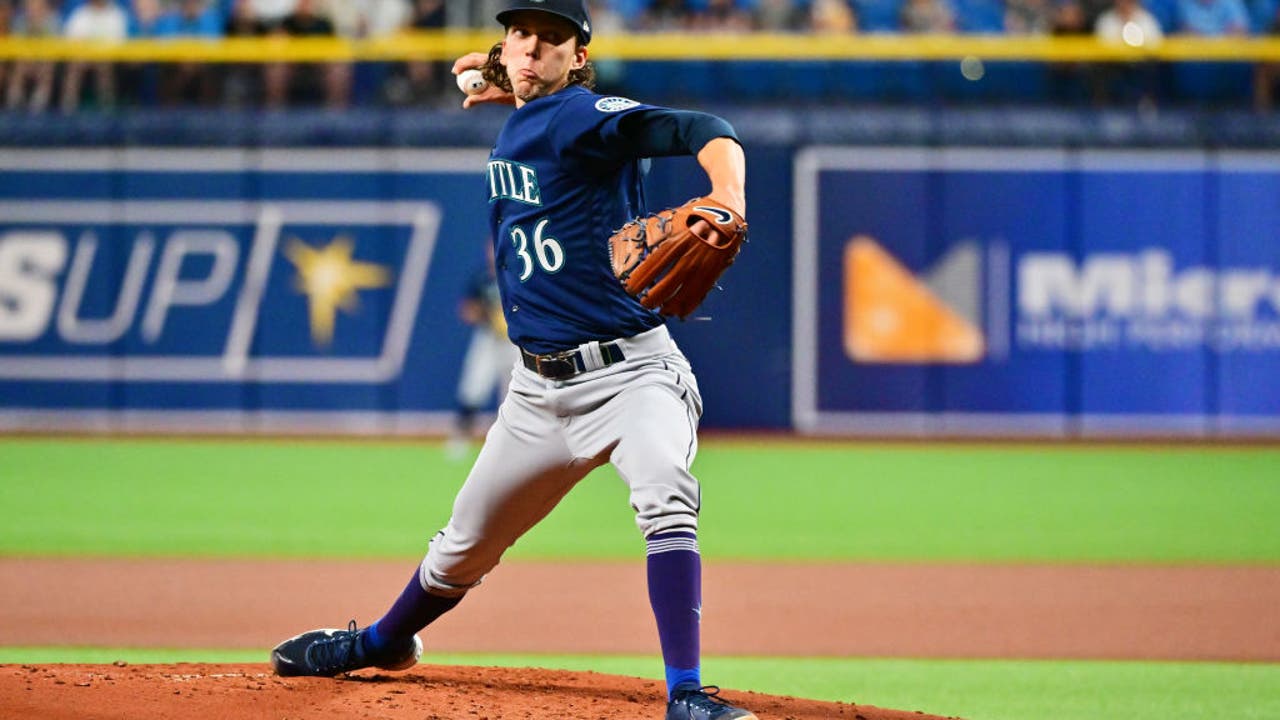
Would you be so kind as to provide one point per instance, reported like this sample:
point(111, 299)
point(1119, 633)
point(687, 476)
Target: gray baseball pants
point(641, 414)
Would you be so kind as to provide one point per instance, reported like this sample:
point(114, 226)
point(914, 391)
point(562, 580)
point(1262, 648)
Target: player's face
point(540, 51)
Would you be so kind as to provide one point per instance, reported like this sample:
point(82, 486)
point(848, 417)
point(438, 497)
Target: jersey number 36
point(547, 250)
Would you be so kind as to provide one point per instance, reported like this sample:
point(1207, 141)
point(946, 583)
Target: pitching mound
point(230, 692)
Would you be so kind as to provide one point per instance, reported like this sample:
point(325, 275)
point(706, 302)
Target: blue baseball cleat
point(690, 702)
point(329, 652)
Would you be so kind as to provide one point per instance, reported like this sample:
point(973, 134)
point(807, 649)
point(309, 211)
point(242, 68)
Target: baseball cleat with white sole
point(690, 702)
point(329, 651)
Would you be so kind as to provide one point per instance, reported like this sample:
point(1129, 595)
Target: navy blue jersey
point(561, 178)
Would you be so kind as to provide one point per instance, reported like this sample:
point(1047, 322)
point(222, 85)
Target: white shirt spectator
point(272, 11)
point(98, 20)
point(1129, 23)
point(368, 18)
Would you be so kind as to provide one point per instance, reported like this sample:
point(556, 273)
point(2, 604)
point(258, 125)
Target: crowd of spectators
point(42, 85)
point(38, 86)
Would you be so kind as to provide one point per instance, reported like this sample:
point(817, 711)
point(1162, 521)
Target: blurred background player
point(486, 367)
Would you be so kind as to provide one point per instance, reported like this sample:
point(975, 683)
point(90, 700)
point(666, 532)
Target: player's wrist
point(734, 198)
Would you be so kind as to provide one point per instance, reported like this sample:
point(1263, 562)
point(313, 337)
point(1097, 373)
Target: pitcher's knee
point(667, 522)
point(663, 507)
point(454, 563)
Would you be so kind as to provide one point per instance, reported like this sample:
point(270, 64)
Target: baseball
point(472, 81)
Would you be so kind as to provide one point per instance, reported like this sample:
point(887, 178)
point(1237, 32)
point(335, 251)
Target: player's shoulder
point(580, 99)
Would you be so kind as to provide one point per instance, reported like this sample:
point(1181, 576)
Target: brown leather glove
point(666, 265)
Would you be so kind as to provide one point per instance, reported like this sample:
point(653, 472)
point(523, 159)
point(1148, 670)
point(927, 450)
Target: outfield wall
point(901, 291)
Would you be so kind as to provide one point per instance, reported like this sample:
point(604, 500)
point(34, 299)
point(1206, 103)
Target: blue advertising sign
point(1245, 216)
point(1036, 292)
point(190, 297)
point(935, 290)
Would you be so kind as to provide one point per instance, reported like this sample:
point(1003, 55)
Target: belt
point(564, 365)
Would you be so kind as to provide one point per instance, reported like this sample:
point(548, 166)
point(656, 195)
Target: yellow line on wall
point(447, 45)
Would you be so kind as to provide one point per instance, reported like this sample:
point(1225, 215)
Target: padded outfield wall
point(904, 290)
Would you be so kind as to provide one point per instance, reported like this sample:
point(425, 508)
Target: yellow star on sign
point(329, 277)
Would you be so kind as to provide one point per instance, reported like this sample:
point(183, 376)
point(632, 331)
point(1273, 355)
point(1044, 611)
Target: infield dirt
point(812, 609)
point(233, 692)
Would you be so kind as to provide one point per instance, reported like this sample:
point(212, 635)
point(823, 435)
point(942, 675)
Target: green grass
point(980, 502)
point(977, 690)
point(773, 501)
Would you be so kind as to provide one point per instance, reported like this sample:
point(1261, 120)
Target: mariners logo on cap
point(615, 104)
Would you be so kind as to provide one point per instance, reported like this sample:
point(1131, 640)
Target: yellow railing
point(447, 45)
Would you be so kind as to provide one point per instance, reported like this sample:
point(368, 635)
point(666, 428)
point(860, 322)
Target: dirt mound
point(230, 692)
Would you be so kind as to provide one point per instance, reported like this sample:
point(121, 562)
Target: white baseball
point(472, 82)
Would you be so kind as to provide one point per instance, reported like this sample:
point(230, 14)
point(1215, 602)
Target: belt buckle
point(557, 366)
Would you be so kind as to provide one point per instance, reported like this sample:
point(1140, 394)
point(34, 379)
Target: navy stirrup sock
point(675, 592)
point(413, 610)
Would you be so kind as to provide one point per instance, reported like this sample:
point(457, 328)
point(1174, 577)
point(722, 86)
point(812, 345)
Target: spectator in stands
point(140, 82)
point(6, 29)
point(143, 17)
point(192, 19)
point(361, 19)
point(1127, 22)
point(478, 13)
point(1212, 17)
point(37, 19)
point(369, 18)
point(1069, 19)
point(96, 20)
point(786, 15)
point(1076, 17)
point(1267, 75)
point(242, 82)
point(721, 16)
point(665, 16)
point(419, 81)
point(1028, 17)
point(188, 82)
point(832, 17)
point(928, 17)
point(271, 13)
point(606, 20)
point(1208, 83)
point(428, 14)
point(307, 83)
point(1070, 82)
point(1093, 9)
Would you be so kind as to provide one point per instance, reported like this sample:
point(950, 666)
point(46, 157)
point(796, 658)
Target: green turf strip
point(977, 690)
point(772, 501)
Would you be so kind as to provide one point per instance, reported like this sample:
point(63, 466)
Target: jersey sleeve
point(659, 132)
point(610, 130)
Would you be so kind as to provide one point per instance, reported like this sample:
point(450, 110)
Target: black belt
point(564, 365)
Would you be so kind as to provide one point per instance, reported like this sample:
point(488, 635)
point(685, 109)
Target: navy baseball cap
point(575, 11)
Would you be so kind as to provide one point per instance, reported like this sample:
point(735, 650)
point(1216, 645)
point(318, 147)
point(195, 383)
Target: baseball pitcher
point(586, 278)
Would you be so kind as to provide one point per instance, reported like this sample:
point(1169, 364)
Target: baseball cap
point(575, 11)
